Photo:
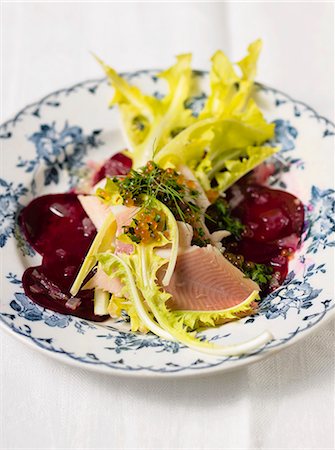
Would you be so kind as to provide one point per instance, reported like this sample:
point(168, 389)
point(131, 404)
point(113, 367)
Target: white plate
point(43, 149)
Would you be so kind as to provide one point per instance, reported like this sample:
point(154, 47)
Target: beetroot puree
point(118, 164)
point(273, 222)
point(57, 227)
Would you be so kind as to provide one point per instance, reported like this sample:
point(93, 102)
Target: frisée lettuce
point(230, 127)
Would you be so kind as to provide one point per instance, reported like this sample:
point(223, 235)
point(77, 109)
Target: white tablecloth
point(286, 401)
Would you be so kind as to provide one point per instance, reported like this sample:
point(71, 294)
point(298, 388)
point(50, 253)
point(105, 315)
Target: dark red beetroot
point(274, 222)
point(57, 227)
point(118, 164)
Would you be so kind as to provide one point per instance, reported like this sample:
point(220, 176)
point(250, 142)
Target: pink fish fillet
point(123, 216)
point(204, 280)
point(106, 283)
point(96, 210)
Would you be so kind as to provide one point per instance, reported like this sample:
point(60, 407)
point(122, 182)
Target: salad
point(180, 231)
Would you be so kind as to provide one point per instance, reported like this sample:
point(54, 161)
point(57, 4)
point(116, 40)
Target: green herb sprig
point(220, 215)
point(260, 273)
point(150, 182)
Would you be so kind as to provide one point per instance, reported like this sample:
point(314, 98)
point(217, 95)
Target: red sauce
point(274, 222)
point(57, 227)
point(118, 164)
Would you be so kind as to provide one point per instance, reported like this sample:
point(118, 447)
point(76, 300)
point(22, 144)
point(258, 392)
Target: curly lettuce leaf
point(223, 82)
point(188, 146)
point(230, 166)
point(115, 265)
point(175, 117)
point(149, 123)
point(195, 319)
point(226, 130)
point(118, 305)
point(110, 193)
point(208, 145)
point(229, 127)
point(235, 169)
point(248, 64)
point(137, 110)
point(103, 241)
point(172, 227)
point(229, 92)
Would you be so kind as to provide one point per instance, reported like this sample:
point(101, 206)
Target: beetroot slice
point(118, 164)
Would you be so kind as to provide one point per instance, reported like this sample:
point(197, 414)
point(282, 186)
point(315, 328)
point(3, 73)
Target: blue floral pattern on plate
point(56, 144)
point(321, 218)
point(59, 150)
point(10, 194)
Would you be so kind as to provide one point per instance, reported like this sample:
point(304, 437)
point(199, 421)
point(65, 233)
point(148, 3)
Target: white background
point(286, 401)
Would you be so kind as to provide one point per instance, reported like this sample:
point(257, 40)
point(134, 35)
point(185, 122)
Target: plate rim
point(146, 373)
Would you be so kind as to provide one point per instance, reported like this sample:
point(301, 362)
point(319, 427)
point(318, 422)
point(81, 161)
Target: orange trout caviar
point(129, 202)
point(176, 192)
point(147, 226)
point(212, 195)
